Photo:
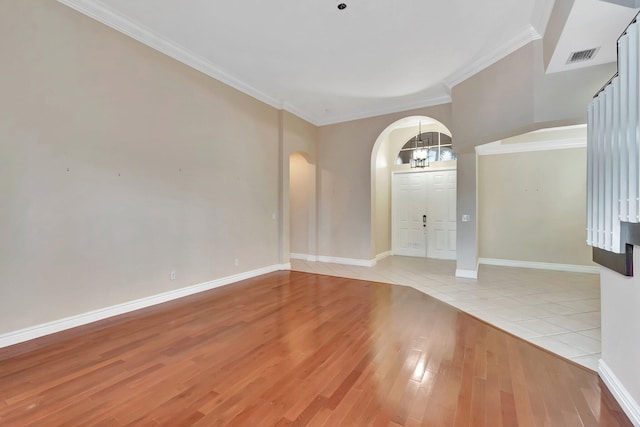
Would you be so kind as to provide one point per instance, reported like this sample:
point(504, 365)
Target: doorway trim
point(394, 175)
point(380, 222)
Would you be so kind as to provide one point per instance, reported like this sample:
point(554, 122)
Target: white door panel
point(452, 240)
point(408, 208)
point(424, 193)
point(441, 203)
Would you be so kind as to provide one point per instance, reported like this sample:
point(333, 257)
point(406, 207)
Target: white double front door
point(424, 214)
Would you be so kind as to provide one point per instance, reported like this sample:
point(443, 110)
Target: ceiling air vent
point(583, 55)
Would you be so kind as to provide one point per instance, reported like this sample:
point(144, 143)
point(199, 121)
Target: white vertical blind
point(613, 150)
point(634, 56)
point(623, 52)
point(600, 152)
point(607, 155)
point(615, 166)
point(632, 147)
point(590, 172)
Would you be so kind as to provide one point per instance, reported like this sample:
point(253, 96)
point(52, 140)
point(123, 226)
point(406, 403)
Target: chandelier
point(420, 155)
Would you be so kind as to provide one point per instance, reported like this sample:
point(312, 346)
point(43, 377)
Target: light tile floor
point(558, 311)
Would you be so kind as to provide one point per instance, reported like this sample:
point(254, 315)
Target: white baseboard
point(286, 266)
point(467, 274)
point(41, 330)
point(541, 265)
point(383, 255)
point(304, 257)
point(348, 261)
point(345, 261)
point(620, 393)
point(336, 260)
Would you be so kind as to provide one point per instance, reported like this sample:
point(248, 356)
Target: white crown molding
point(525, 37)
point(522, 147)
point(41, 330)
point(373, 112)
point(301, 114)
point(560, 128)
point(541, 265)
point(125, 25)
point(620, 393)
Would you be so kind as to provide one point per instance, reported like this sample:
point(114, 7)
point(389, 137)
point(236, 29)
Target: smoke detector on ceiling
point(582, 55)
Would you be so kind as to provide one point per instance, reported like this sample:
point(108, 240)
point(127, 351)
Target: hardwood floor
point(556, 310)
point(298, 349)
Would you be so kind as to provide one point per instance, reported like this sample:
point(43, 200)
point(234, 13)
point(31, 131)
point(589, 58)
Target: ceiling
point(590, 24)
point(328, 65)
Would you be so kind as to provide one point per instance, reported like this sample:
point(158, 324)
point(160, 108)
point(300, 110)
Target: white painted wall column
point(467, 231)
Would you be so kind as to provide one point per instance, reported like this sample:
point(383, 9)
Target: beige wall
point(494, 103)
point(344, 182)
point(514, 96)
point(298, 137)
point(118, 165)
point(301, 205)
point(344, 209)
point(466, 204)
point(382, 197)
point(508, 98)
point(620, 299)
point(531, 206)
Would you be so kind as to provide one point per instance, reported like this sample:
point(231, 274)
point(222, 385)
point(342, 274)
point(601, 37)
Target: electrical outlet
point(172, 275)
point(236, 262)
point(466, 218)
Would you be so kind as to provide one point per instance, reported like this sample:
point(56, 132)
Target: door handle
point(424, 220)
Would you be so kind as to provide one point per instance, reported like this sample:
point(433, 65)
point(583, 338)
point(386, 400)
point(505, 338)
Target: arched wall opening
point(302, 207)
point(383, 157)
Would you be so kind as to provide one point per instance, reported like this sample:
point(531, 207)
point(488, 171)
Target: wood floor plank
point(297, 349)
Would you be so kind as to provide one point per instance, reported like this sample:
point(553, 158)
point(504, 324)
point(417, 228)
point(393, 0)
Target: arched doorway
point(385, 170)
point(302, 207)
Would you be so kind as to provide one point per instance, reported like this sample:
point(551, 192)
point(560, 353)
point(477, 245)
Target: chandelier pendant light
point(420, 157)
